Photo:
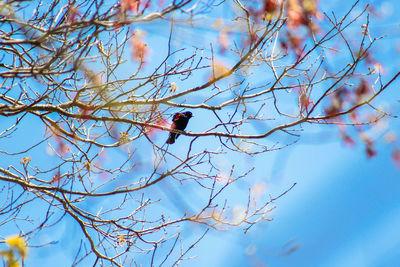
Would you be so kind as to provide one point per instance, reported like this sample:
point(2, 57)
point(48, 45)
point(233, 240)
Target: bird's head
point(188, 114)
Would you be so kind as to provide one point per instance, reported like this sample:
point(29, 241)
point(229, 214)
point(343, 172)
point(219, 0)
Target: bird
point(179, 122)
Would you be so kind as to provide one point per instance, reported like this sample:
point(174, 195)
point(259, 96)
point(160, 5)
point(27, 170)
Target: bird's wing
point(176, 116)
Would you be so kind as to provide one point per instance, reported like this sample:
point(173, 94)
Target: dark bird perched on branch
point(179, 122)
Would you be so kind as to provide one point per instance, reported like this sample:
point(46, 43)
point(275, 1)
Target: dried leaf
point(396, 157)
point(174, 87)
point(223, 40)
point(295, 14)
point(295, 43)
point(270, 6)
point(219, 69)
point(87, 165)
point(56, 178)
point(73, 14)
point(337, 101)
point(362, 90)
point(123, 137)
point(370, 151)
point(354, 118)
point(304, 101)
point(347, 140)
point(130, 5)
point(139, 48)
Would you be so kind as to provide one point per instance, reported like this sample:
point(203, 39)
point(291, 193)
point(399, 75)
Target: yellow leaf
point(121, 240)
point(18, 243)
point(26, 160)
point(87, 165)
point(13, 263)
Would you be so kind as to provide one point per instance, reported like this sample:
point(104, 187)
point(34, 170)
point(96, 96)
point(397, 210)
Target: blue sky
point(344, 211)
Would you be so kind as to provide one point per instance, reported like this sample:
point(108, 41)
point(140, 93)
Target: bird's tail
point(171, 138)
